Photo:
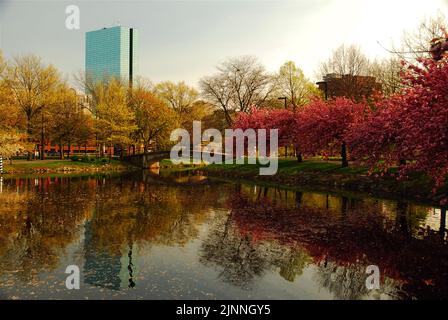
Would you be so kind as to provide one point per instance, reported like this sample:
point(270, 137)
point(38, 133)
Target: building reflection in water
point(244, 233)
point(101, 267)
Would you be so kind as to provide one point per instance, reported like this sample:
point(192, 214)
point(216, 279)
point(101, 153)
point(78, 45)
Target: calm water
point(178, 237)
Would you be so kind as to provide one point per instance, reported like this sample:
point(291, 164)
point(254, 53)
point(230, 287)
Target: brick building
point(356, 87)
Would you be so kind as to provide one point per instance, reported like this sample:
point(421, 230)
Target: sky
point(185, 40)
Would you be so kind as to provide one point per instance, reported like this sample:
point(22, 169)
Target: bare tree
point(347, 73)
point(417, 43)
point(179, 95)
point(240, 83)
point(387, 72)
point(346, 61)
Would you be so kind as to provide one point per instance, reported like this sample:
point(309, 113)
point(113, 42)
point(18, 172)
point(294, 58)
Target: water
point(145, 236)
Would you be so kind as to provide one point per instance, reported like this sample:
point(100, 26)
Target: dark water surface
point(142, 236)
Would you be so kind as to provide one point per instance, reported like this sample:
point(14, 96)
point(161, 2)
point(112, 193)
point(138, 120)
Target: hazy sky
point(185, 40)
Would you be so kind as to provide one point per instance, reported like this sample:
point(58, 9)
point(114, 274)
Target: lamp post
point(325, 84)
point(283, 98)
point(286, 107)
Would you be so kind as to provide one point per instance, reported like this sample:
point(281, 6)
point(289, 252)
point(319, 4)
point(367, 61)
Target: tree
point(388, 73)
point(115, 121)
point(32, 85)
point(178, 95)
point(346, 61)
point(11, 143)
point(239, 84)
point(416, 43)
point(184, 101)
point(374, 138)
point(347, 73)
point(9, 117)
point(410, 125)
point(292, 84)
point(261, 118)
point(323, 125)
point(65, 118)
point(154, 119)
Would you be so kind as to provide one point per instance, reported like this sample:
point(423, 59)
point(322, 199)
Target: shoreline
point(309, 175)
point(336, 180)
point(63, 167)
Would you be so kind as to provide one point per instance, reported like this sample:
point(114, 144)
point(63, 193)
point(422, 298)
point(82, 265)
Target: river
point(180, 236)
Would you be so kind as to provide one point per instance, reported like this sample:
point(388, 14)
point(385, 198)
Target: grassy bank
point(64, 166)
point(329, 176)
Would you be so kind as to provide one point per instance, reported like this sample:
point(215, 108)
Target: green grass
point(291, 167)
point(24, 165)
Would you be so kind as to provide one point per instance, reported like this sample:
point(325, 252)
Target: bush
point(74, 158)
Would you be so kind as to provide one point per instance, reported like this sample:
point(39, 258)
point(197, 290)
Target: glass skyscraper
point(111, 52)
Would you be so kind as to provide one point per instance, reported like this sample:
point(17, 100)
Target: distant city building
point(356, 87)
point(111, 52)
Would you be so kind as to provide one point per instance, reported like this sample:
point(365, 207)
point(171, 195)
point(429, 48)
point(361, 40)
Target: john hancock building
point(111, 52)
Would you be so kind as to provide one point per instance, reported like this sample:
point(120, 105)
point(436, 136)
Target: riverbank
point(329, 176)
point(20, 167)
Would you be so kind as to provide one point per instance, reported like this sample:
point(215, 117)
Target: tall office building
point(111, 52)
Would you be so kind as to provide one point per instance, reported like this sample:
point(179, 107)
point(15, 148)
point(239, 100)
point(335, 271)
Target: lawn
point(291, 167)
point(24, 165)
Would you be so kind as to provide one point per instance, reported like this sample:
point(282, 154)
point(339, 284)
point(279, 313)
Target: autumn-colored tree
point(65, 118)
point(32, 86)
point(154, 119)
point(115, 121)
point(11, 143)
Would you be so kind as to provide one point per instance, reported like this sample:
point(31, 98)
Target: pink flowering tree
point(323, 125)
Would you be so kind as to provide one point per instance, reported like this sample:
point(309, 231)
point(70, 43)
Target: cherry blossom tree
point(322, 125)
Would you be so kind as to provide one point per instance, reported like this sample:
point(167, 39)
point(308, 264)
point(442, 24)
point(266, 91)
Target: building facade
point(349, 86)
point(111, 52)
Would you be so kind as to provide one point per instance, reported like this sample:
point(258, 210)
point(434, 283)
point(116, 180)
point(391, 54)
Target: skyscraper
point(111, 52)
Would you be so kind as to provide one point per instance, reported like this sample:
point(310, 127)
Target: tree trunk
point(298, 155)
point(442, 223)
point(68, 149)
point(344, 155)
point(121, 152)
point(61, 151)
point(85, 149)
point(28, 133)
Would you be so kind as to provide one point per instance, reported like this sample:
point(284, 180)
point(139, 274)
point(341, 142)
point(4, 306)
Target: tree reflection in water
point(245, 233)
point(342, 245)
point(32, 237)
